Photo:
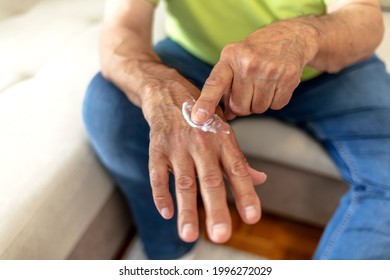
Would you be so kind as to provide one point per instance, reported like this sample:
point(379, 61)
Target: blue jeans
point(348, 112)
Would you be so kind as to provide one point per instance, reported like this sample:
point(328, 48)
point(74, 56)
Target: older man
point(306, 62)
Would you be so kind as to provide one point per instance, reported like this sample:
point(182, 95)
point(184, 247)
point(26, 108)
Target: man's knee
point(97, 106)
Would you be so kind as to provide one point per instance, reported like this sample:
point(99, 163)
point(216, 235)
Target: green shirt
point(204, 27)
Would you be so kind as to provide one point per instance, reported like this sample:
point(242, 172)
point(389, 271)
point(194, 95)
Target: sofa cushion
point(30, 39)
point(10, 8)
point(50, 180)
point(281, 143)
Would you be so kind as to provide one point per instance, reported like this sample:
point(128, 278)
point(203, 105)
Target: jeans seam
point(340, 228)
point(349, 162)
point(353, 170)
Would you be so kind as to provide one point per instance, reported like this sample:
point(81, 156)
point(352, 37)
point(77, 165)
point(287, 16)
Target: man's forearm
point(126, 59)
point(343, 37)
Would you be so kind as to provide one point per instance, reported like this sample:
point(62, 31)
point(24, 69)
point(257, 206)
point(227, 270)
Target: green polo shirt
point(204, 27)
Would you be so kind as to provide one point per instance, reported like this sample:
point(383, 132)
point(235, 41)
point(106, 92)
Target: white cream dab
point(214, 125)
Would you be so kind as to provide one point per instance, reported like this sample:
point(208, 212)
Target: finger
point(213, 194)
point(228, 113)
point(241, 96)
point(159, 178)
point(185, 184)
point(283, 94)
point(237, 172)
point(263, 95)
point(214, 88)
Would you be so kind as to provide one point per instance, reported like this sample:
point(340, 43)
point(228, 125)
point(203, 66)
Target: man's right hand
point(191, 155)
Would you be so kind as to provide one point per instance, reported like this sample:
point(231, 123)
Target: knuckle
point(157, 181)
point(246, 61)
point(212, 181)
point(248, 69)
point(271, 70)
point(228, 50)
point(184, 183)
point(249, 65)
point(239, 169)
point(160, 199)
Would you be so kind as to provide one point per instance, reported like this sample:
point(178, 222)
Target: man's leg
point(349, 113)
point(120, 136)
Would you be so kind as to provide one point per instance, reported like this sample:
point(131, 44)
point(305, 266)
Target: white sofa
point(56, 200)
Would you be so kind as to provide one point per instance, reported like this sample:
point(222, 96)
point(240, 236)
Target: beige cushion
point(50, 181)
point(30, 39)
point(385, 3)
point(10, 8)
point(278, 142)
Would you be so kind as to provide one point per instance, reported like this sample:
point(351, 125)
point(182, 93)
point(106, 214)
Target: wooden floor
point(273, 237)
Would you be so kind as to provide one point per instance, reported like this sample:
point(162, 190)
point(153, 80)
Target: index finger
point(217, 84)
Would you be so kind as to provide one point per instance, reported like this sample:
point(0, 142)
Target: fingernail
point(251, 212)
point(187, 230)
point(165, 212)
point(200, 116)
point(219, 230)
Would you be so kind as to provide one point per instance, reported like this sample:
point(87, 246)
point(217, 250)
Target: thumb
point(216, 85)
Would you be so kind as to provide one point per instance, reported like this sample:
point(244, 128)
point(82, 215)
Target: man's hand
point(256, 74)
point(191, 155)
point(262, 71)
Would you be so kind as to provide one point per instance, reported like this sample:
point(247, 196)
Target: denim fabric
point(348, 112)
